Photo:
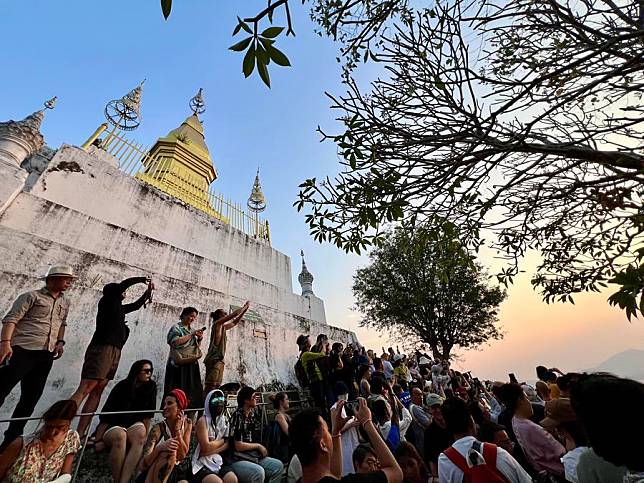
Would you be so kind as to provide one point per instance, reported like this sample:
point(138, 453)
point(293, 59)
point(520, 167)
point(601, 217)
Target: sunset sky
point(88, 53)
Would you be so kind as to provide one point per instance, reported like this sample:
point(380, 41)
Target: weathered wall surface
point(109, 226)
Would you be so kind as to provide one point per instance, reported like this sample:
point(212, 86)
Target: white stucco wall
point(109, 226)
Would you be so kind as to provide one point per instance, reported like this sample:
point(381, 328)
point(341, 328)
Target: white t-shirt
point(350, 442)
point(448, 472)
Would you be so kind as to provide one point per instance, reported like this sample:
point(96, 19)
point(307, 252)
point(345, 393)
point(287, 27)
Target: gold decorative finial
point(125, 113)
point(51, 103)
point(256, 200)
point(197, 104)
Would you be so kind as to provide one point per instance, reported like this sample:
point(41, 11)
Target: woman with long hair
point(124, 434)
point(168, 443)
point(212, 439)
point(364, 374)
point(412, 465)
point(46, 455)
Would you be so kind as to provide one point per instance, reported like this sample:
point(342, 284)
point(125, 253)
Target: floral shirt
point(32, 465)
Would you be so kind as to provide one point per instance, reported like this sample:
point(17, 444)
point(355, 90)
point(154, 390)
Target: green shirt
point(312, 370)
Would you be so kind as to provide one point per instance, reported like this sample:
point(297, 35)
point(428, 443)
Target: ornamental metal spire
point(305, 278)
point(256, 200)
point(197, 104)
point(125, 113)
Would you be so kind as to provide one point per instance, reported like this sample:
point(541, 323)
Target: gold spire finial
point(51, 103)
point(256, 200)
point(125, 113)
point(197, 104)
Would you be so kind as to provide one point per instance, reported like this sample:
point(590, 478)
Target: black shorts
point(203, 472)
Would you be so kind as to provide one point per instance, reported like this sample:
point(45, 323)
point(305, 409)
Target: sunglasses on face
point(146, 371)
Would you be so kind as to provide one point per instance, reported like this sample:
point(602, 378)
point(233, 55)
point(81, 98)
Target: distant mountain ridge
point(629, 364)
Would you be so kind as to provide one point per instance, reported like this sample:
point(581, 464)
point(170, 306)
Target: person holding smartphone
point(103, 353)
point(185, 376)
point(320, 450)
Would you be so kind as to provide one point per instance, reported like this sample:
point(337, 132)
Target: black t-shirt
point(437, 440)
point(375, 477)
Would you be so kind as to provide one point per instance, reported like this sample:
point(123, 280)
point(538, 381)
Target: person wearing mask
point(168, 443)
point(278, 442)
point(412, 465)
point(214, 360)
point(421, 420)
point(349, 432)
point(32, 337)
point(103, 353)
point(466, 451)
point(182, 368)
point(364, 460)
point(437, 437)
point(46, 455)
point(542, 451)
point(212, 441)
point(320, 450)
point(251, 462)
point(124, 434)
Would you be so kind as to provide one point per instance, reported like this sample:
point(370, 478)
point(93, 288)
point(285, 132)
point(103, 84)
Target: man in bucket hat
point(33, 335)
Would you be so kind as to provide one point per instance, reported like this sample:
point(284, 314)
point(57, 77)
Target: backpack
point(300, 374)
point(485, 472)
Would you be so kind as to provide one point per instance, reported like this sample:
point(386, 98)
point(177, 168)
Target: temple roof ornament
point(257, 200)
point(305, 278)
point(197, 103)
point(20, 139)
point(125, 113)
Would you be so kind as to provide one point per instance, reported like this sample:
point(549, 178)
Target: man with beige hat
point(33, 335)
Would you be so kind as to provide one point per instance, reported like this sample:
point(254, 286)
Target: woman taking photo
point(168, 443)
point(182, 369)
point(125, 434)
point(46, 455)
point(212, 438)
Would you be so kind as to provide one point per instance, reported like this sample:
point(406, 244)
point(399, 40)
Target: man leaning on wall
point(32, 337)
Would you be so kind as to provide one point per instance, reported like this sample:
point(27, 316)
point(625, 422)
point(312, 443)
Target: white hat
point(397, 357)
point(423, 361)
point(60, 271)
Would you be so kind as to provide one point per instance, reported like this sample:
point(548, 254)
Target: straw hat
point(60, 271)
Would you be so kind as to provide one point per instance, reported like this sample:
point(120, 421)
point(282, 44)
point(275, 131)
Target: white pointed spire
point(305, 278)
point(20, 139)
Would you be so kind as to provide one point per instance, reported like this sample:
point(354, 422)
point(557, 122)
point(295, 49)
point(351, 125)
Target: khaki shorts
point(214, 373)
point(101, 362)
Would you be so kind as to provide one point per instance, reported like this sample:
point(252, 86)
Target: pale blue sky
point(88, 53)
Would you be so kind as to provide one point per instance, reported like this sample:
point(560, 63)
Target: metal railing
point(230, 408)
point(134, 159)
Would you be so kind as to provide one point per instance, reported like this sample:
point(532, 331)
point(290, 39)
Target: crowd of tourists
point(373, 418)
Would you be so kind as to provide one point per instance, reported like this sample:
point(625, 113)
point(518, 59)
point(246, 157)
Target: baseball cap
point(423, 361)
point(433, 400)
point(397, 357)
point(558, 411)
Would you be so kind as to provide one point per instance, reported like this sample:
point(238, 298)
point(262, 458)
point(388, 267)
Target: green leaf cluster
point(260, 50)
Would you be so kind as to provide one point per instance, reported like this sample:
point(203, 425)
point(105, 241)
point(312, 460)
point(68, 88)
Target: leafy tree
point(422, 286)
point(520, 122)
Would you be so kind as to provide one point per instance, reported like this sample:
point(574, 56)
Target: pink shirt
point(542, 450)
